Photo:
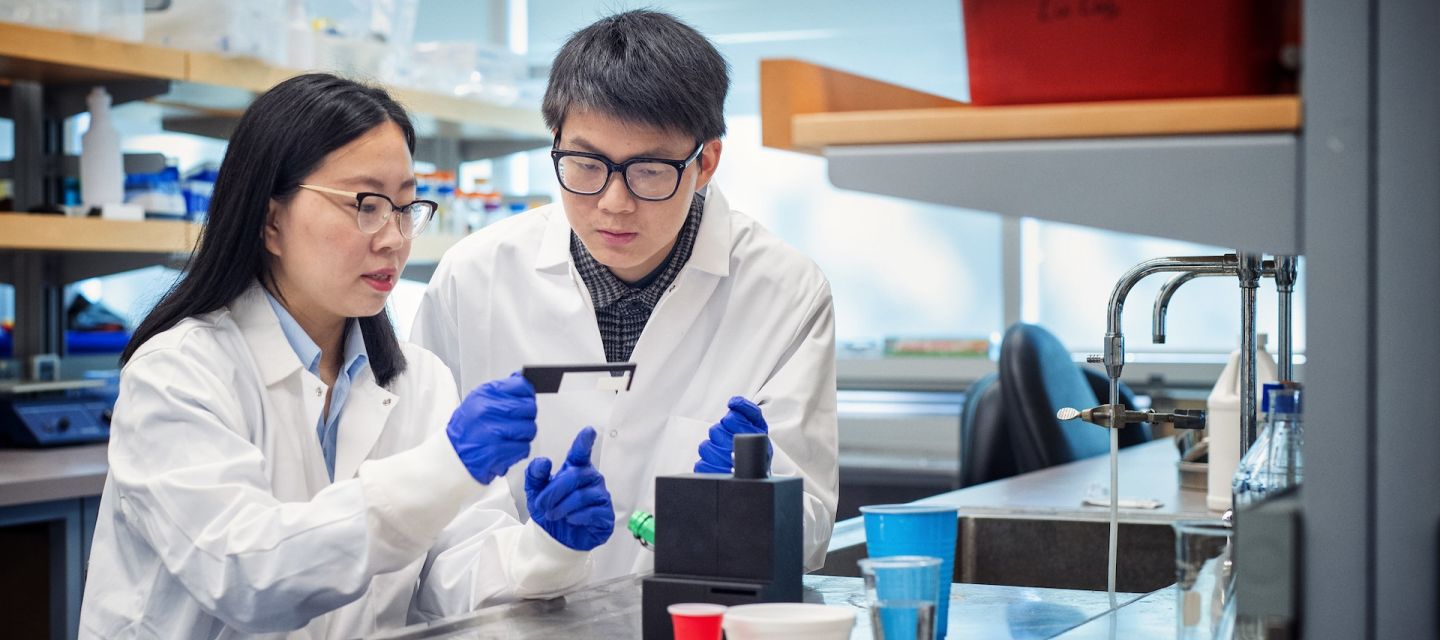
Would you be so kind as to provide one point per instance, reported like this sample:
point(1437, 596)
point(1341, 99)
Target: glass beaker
point(1202, 577)
point(903, 594)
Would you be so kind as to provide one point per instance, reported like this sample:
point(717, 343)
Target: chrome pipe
point(1249, 271)
point(1286, 273)
point(1167, 291)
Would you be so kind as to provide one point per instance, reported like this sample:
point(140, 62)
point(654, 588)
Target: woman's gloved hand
point(717, 455)
point(493, 426)
point(574, 505)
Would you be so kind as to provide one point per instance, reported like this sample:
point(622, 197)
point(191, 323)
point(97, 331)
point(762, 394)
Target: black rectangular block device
point(723, 540)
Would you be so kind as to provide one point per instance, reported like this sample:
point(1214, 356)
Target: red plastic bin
point(1035, 51)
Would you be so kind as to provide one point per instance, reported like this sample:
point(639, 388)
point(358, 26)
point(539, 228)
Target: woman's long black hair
point(283, 137)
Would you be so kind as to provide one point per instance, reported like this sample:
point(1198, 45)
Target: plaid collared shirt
point(622, 309)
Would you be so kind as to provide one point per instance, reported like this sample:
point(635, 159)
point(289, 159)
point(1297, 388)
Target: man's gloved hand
point(717, 455)
point(573, 506)
point(493, 426)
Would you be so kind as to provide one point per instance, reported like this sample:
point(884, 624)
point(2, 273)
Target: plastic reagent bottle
point(102, 170)
point(1223, 423)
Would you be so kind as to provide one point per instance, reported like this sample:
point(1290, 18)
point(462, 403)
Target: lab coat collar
point(261, 328)
point(712, 245)
point(367, 408)
point(352, 354)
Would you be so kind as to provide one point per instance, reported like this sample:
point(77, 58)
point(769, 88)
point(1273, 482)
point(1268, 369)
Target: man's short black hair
point(645, 67)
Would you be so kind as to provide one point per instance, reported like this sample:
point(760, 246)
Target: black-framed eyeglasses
point(371, 215)
point(652, 179)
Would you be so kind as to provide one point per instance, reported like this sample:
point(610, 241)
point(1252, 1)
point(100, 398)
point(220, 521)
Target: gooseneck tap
point(1114, 360)
point(1114, 357)
point(1167, 291)
point(1249, 268)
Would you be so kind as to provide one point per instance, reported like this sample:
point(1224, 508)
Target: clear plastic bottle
point(1248, 485)
point(1285, 466)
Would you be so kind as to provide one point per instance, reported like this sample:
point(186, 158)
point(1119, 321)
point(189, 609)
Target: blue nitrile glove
point(493, 426)
point(717, 455)
point(573, 506)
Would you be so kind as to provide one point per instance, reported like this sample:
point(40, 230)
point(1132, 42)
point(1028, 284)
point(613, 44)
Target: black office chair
point(985, 451)
point(1008, 423)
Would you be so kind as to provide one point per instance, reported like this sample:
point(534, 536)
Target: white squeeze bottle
point(102, 170)
point(1222, 420)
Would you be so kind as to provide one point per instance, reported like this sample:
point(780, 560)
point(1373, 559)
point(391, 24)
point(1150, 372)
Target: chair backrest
point(985, 450)
point(1037, 377)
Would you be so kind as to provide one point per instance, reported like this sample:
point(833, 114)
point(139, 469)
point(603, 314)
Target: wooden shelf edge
point(1190, 116)
point(789, 88)
point(38, 232)
point(47, 55)
point(77, 54)
point(236, 72)
point(521, 122)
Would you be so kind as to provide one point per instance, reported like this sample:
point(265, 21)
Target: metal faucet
point(1249, 268)
point(1114, 356)
point(1114, 360)
point(1167, 291)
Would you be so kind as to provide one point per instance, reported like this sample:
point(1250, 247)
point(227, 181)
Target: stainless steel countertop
point(1146, 471)
point(612, 610)
point(1152, 616)
point(42, 475)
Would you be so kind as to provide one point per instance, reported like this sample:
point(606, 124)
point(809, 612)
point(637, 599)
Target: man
point(643, 261)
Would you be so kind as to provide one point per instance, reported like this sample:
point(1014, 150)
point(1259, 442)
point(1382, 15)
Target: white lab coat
point(218, 518)
point(748, 316)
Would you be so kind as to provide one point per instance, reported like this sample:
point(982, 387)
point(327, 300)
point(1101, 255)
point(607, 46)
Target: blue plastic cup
point(916, 530)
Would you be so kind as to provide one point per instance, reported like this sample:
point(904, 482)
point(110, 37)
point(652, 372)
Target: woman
point(279, 462)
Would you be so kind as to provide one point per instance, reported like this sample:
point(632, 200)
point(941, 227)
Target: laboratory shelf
point(65, 249)
point(48, 56)
point(1220, 171)
point(86, 247)
point(39, 232)
point(218, 88)
point(1233, 191)
point(205, 93)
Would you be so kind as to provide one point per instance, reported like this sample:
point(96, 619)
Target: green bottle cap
point(642, 526)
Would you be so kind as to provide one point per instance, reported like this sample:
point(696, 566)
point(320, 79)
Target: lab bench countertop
point(612, 610)
point(43, 475)
point(1057, 493)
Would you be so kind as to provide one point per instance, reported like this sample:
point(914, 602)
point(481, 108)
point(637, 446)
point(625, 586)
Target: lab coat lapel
point(555, 268)
point(686, 298)
point(296, 395)
point(363, 419)
point(257, 322)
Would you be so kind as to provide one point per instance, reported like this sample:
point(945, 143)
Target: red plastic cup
point(696, 620)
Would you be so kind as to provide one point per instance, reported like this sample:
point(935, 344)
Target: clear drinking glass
point(1202, 577)
point(902, 593)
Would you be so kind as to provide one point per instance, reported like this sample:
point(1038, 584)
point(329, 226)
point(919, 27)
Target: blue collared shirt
point(309, 354)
